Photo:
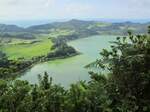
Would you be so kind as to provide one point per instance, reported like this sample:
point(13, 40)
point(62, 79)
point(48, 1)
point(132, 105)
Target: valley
point(36, 40)
point(74, 55)
point(71, 69)
point(42, 43)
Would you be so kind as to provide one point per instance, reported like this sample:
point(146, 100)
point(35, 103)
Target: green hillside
point(27, 50)
point(78, 27)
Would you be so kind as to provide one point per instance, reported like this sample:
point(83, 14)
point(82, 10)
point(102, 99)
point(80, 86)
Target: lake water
point(71, 70)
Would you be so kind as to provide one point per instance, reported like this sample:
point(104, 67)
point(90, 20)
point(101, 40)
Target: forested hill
point(10, 28)
point(100, 27)
point(14, 31)
point(76, 28)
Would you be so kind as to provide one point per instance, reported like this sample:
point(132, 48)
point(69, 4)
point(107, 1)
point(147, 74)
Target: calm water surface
point(71, 70)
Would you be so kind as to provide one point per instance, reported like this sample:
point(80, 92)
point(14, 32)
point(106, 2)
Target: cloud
point(23, 2)
point(60, 9)
point(138, 8)
point(140, 3)
point(76, 9)
point(24, 9)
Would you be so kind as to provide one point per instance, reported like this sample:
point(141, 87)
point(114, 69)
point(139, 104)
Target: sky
point(77, 9)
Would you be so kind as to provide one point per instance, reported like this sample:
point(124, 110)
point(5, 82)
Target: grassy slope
point(60, 32)
point(27, 50)
point(19, 48)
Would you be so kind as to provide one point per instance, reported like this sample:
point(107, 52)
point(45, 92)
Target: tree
point(148, 29)
point(44, 81)
point(129, 67)
point(78, 97)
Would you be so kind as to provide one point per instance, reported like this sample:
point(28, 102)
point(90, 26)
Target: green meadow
point(27, 49)
point(60, 32)
point(21, 48)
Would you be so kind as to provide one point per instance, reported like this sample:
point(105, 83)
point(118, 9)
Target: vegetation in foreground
point(125, 89)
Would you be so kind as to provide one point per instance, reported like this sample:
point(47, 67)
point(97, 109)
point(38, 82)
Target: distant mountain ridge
point(80, 27)
point(10, 28)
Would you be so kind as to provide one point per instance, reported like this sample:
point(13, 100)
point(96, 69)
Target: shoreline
point(17, 74)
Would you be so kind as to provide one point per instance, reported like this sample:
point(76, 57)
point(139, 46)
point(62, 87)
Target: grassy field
point(98, 25)
point(20, 48)
point(60, 32)
point(27, 49)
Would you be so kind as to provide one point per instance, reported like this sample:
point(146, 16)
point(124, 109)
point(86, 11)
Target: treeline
point(61, 49)
point(22, 35)
point(80, 33)
point(125, 88)
point(9, 68)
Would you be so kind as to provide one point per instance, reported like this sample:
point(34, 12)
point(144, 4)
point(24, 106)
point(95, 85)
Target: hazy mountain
point(79, 27)
point(72, 24)
point(14, 31)
point(10, 28)
point(101, 27)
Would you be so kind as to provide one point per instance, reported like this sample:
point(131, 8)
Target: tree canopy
point(125, 87)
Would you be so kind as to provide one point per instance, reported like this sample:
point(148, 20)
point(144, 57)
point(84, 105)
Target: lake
point(70, 70)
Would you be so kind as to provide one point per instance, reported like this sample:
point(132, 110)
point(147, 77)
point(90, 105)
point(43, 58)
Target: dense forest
point(9, 68)
point(125, 87)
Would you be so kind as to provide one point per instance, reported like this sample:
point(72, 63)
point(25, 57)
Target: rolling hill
point(72, 29)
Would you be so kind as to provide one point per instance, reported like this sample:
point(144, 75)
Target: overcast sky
point(80, 9)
